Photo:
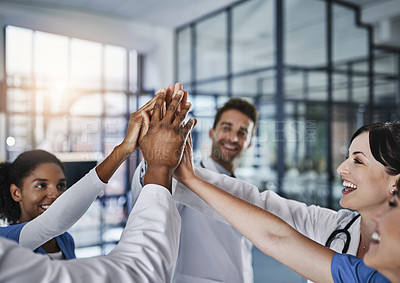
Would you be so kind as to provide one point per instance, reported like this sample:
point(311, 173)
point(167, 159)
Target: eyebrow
point(44, 180)
point(226, 123)
point(230, 124)
point(358, 152)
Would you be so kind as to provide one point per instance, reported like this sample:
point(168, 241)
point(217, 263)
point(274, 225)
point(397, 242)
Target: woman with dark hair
point(12, 177)
point(31, 185)
point(28, 187)
point(276, 238)
point(369, 174)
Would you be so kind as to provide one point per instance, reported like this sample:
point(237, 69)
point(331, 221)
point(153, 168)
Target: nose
point(52, 192)
point(233, 137)
point(343, 168)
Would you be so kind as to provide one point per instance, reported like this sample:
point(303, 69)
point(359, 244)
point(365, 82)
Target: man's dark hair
point(241, 105)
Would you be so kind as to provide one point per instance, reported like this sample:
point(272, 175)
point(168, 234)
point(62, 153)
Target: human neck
point(228, 166)
point(367, 227)
point(393, 276)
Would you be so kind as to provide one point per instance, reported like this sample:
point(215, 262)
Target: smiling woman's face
point(366, 184)
point(384, 251)
point(40, 189)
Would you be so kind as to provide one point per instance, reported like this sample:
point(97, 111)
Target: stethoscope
point(346, 232)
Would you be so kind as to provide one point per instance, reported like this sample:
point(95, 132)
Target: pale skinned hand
point(172, 90)
point(185, 169)
point(136, 121)
point(163, 144)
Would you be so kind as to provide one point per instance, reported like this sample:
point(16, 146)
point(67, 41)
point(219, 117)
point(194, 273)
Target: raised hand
point(185, 169)
point(130, 143)
point(163, 144)
point(171, 91)
point(131, 140)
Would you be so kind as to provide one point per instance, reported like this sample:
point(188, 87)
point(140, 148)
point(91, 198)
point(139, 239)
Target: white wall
point(155, 41)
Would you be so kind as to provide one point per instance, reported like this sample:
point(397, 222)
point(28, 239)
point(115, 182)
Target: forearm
point(107, 168)
point(296, 214)
point(269, 233)
point(246, 218)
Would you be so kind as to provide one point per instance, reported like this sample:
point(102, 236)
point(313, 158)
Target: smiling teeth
point(229, 147)
point(45, 206)
point(350, 185)
point(376, 237)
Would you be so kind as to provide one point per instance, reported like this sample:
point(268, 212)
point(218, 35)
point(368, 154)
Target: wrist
point(160, 175)
point(121, 152)
point(106, 169)
point(128, 147)
point(189, 179)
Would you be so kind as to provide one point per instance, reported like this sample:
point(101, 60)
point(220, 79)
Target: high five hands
point(166, 134)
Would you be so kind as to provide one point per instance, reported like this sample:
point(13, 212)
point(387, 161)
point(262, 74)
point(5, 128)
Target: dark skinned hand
point(165, 138)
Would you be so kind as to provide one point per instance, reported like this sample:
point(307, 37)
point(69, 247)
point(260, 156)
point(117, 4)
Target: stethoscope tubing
point(345, 230)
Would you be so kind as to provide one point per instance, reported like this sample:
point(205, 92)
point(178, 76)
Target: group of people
point(194, 223)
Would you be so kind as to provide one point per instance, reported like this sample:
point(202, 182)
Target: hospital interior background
point(316, 70)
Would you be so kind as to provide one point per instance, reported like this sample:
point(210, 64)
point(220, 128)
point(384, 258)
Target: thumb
point(145, 125)
point(188, 128)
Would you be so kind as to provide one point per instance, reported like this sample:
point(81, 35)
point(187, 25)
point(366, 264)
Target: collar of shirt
point(211, 164)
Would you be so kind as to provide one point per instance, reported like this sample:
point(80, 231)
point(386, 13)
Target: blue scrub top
point(348, 268)
point(64, 241)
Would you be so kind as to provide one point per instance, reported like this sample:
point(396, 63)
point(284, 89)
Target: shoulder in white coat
point(146, 252)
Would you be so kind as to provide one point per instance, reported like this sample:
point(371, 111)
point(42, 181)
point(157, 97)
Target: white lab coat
point(312, 221)
point(147, 250)
point(209, 250)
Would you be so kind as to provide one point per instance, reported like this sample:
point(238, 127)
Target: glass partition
point(184, 48)
point(350, 42)
point(325, 81)
point(72, 97)
point(211, 47)
point(253, 36)
point(323, 85)
point(304, 35)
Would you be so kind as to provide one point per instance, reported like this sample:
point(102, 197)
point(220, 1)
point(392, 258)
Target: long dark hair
point(15, 173)
point(384, 141)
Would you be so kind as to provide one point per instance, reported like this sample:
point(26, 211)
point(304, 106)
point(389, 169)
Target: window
point(71, 97)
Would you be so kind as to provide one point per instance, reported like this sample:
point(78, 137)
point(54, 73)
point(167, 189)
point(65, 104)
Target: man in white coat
point(147, 250)
point(210, 250)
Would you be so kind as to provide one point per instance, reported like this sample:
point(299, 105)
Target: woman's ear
point(15, 193)
point(397, 182)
